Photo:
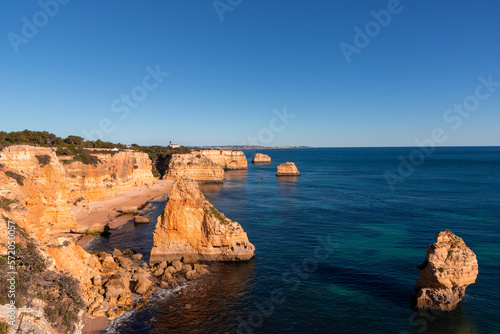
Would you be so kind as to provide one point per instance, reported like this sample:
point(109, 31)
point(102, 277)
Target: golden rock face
point(191, 226)
point(449, 267)
point(41, 188)
point(260, 158)
point(227, 159)
point(287, 169)
point(194, 166)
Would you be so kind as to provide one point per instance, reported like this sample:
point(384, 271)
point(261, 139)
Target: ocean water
point(336, 248)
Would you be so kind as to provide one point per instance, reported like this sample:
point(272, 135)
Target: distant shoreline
point(252, 147)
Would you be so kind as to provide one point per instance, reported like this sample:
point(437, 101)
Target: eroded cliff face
point(260, 158)
point(115, 173)
point(37, 189)
point(287, 169)
point(33, 190)
point(227, 159)
point(191, 226)
point(449, 267)
point(194, 166)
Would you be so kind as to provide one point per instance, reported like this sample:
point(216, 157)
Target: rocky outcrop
point(194, 166)
point(33, 191)
point(113, 174)
point(287, 169)
point(37, 189)
point(449, 267)
point(191, 227)
point(227, 159)
point(260, 158)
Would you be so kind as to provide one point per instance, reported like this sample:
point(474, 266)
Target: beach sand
point(95, 215)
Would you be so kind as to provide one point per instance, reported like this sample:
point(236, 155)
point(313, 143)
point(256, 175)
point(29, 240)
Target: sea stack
point(449, 267)
point(287, 169)
point(260, 158)
point(191, 226)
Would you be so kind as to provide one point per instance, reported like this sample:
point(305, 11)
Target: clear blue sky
point(226, 76)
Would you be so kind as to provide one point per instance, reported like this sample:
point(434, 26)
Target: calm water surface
point(336, 248)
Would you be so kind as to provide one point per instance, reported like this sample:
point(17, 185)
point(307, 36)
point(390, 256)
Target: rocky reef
point(227, 159)
point(191, 226)
point(449, 267)
point(194, 166)
point(260, 158)
point(287, 169)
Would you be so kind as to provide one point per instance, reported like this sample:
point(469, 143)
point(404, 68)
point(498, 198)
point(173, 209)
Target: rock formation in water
point(191, 226)
point(260, 158)
point(449, 267)
point(195, 166)
point(287, 169)
point(227, 159)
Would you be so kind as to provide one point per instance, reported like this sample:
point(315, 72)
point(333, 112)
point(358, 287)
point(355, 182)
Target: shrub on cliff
point(59, 291)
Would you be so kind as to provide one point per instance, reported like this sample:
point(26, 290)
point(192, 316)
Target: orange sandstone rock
point(449, 267)
point(260, 158)
point(194, 166)
point(287, 169)
point(227, 159)
point(191, 226)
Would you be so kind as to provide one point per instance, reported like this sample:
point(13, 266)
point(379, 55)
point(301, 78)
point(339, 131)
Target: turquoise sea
point(336, 248)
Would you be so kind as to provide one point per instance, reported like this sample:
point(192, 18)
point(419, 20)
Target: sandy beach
point(95, 215)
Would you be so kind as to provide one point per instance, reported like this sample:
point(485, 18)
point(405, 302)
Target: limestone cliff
point(191, 226)
point(195, 166)
point(449, 267)
point(33, 190)
point(287, 169)
point(113, 174)
point(227, 159)
point(37, 189)
point(260, 158)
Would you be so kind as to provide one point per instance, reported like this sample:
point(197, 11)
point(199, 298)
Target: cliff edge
point(194, 166)
point(191, 226)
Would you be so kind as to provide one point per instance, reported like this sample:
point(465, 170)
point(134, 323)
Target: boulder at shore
point(191, 227)
point(449, 267)
point(287, 169)
point(260, 158)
